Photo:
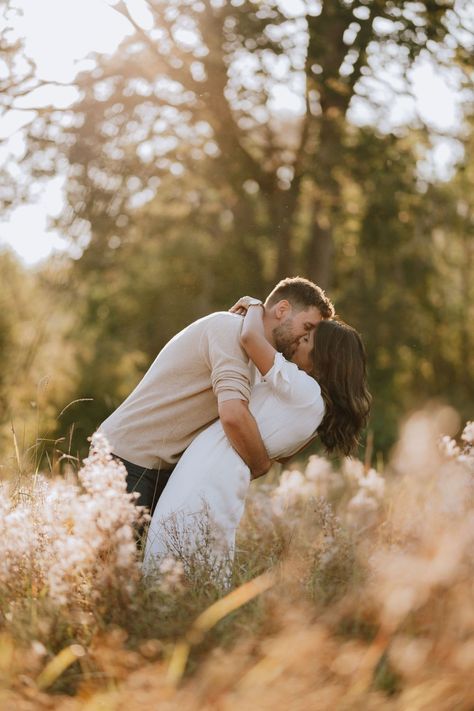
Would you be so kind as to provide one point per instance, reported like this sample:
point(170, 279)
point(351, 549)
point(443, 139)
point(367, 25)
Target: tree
point(186, 188)
point(36, 360)
point(189, 93)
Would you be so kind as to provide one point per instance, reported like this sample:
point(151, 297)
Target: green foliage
point(385, 678)
point(185, 190)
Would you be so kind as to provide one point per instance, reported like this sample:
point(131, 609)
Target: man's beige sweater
point(178, 396)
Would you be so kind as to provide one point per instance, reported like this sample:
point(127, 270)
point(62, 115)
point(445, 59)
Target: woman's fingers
point(240, 307)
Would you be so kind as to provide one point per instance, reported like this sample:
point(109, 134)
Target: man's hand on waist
point(260, 471)
point(242, 432)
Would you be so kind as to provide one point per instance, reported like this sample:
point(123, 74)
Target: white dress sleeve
point(291, 383)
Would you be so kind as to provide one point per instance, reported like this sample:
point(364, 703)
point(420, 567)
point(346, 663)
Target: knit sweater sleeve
point(228, 362)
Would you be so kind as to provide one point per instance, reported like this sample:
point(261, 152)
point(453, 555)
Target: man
point(202, 374)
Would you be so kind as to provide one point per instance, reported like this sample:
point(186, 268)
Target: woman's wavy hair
point(340, 368)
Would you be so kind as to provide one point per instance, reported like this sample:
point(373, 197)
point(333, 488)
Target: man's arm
point(230, 379)
point(242, 431)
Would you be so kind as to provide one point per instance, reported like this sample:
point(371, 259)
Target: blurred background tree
point(186, 188)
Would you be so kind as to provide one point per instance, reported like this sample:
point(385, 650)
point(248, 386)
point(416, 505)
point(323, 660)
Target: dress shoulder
point(291, 382)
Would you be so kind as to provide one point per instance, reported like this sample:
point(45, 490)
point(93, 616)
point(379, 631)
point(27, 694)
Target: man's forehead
point(311, 315)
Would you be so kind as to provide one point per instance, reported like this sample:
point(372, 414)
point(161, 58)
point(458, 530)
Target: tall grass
point(349, 589)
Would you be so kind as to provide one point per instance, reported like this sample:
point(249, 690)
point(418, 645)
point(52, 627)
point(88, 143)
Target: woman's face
point(303, 356)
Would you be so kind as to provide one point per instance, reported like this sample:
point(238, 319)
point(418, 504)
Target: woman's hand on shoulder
point(241, 306)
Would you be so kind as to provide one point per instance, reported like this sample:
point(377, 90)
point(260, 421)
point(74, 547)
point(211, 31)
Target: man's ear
point(282, 309)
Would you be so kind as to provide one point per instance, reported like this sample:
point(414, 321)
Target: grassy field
point(351, 589)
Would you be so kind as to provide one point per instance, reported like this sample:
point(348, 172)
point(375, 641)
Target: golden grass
point(333, 605)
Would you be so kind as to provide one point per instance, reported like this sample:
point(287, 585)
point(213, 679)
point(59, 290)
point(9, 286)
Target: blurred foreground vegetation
point(186, 189)
point(350, 590)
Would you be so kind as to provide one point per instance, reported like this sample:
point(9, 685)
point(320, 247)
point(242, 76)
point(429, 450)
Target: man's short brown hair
point(301, 294)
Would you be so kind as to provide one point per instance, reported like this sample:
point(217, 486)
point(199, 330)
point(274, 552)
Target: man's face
point(297, 324)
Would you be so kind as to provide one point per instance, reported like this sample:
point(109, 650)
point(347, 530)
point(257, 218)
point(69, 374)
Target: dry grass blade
point(15, 443)
point(58, 665)
point(73, 402)
point(210, 617)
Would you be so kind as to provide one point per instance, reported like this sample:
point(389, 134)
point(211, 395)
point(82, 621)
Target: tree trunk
point(466, 322)
point(282, 206)
point(320, 252)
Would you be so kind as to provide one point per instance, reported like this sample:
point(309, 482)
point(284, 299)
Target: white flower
point(319, 472)
point(68, 542)
point(449, 447)
point(353, 470)
point(318, 468)
point(38, 648)
point(363, 501)
point(468, 461)
point(373, 483)
point(468, 433)
point(292, 488)
point(465, 454)
point(171, 572)
point(362, 509)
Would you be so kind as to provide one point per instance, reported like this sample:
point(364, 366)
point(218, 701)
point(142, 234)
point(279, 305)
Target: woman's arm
point(253, 340)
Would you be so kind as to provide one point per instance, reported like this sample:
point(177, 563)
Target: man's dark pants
point(149, 483)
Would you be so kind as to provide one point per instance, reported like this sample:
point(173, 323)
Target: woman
point(322, 390)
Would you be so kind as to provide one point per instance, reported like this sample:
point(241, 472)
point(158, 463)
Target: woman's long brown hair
point(340, 368)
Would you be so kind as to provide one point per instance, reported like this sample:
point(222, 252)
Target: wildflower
point(463, 455)
point(468, 433)
point(171, 573)
point(38, 648)
point(361, 509)
point(363, 501)
point(319, 471)
point(71, 542)
point(292, 488)
point(373, 483)
point(353, 470)
point(468, 461)
point(449, 447)
point(329, 549)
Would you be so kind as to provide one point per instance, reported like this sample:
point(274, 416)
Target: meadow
point(207, 150)
point(351, 588)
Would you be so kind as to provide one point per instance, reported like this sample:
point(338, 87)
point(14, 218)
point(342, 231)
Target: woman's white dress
point(202, 504)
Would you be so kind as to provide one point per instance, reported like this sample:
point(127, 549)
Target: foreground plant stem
point(210, 617)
